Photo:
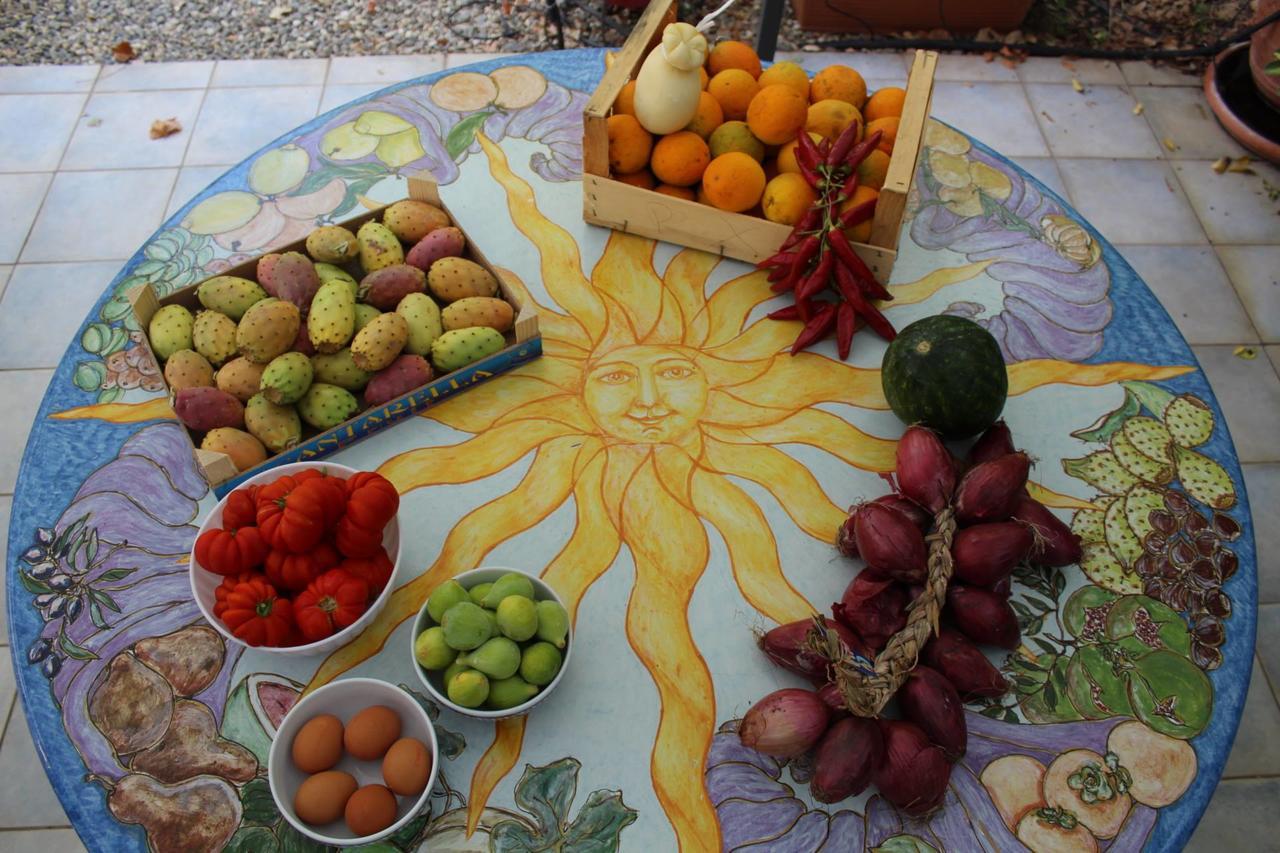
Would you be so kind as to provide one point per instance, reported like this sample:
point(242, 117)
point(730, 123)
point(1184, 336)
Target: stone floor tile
point(1234, 207)
point(21, 391)
point(337, 96)
point(457, 60)
point(382, 69)
point(19, 79)
point(26, 797)
point(22, 194)
point(1049, 69)
point(8, 684)
point(144, 76)
point(59, 296)
point(1096, 123)
point(995, 113)
point(1149, 74)
point(34, 130)
point(1255, 271)
point(1182, 116)
point(1249, 393)
point(269, 72)
point(1269, 644)
point(1256, 751)
point(969, 66)
point(1195, 290)
point(1241, 816)
point(236, 122)
point(888, 67)
point(115, 131)
point(1262, 481)
point(1045, 170)
point(78, 200)
point(1273, 353)
point(191, 180)
point(42, 840)
point(1132, 201)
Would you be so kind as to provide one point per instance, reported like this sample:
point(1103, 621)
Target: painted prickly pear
point(277, 427)
point(339, 369)
point(204, 408)
point(170, 330)
point(479, 311)
point(1138, 463)
point(187, 369)
point(291, 277)
point(385, 288)
point(230, 295)
point(460, 347)
point(214, 336)
point(1204, 479)
point(332, 319)
point(451, 279)
point(1123, 542)
point(332, 244)
point(365, 315)
point(1149, 437)
point(377, 344)
point(441, 243)
point(379, 247)
point(325, 406)
point(245, 450)
point(402, 376)
point(411, 220)
point(267, 330)
point(240, 378)
point(1101, 470)
point(1189, 420)
point(286, 378)
point(423, 316)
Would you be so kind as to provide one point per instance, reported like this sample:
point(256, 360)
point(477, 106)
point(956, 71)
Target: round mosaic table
point(673, 544)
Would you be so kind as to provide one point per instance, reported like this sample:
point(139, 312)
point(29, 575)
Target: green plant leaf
point(252, 839)
point(1153, 398)
point(408, 834)
point(546, 792)
point(102, 598)
point(33, 586)
point(110, 395)
point(904, 844)
point(599, 823)
point(464, 133)
point(95, 614)
point(510, 836)
point(451, 743)
point(292, 841)
point(116, 574)
point(259, 807)
point(73, 650)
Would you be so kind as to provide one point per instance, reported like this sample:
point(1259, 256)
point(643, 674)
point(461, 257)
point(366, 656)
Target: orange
point(787, 154)
point(840, 83)
point(708, 117)
point(786, 74)
point(626, 103)
point(889, 127)
point(734, 182)
point(629, 144)
point(734, 89)
point(776, 114)
point(786, 199)
point(701, 196)
point(827, 118)
point(872, 171)
point(733, 54)
point(703, 77)
point(735, 136)
point(885, 102)
point(642, 179)
point(685, 193)
point(861, 232)
point(680, 158)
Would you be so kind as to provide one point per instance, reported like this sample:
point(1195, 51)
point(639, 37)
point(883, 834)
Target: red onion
point(834, 699)
point(786, 723)
point(990, 490)
point(925, 468)
point(1003, 587)
point(889, 542)
point(848, 756)
point(1056, 545)
point(915, 773)
point(930, 701)
point(786, 646)
point(964, 665)
point(874, 607)
point(848, 545)
point(997, 441)
point(983, 616)
point(986, 553)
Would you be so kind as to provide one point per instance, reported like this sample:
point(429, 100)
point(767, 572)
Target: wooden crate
point(524, 343)
point(748, 238)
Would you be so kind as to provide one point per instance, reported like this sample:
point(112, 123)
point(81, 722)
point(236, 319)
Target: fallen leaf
point(1077, 85)
point(162, 127)
point(94, 122)
point(278, 12)
point(123, 52)
point(1272, 191)
point(1241, 166)
point(988, 56)
point(1068, 63)
point(1008, 63)
point(1138, 108)
point(1220, 165)
point(1247, 353)
point(1047, 116)
point(1170, 144)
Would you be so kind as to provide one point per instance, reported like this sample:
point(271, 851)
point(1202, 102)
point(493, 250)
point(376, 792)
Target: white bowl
point(204, 582)
point(434, 681)
point(344, 699)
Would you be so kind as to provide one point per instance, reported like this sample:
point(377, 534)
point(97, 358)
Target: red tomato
point(230, 552)
point(371, 500)
point(331, 602)
point(224, 589)
point(241, 508)
point(356, 541)
point(298, 518)
point(375, 570)
point(258, 616)
point(294, 571)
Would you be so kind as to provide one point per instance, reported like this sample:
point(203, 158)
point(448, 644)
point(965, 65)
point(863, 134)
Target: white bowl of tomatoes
point(298, 559)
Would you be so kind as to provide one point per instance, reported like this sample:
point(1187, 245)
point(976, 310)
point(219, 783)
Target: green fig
point(497, 658)
point(479, 591)
point(511, 583)
point(443, 597)
point(494, 630)
point(553, 623)
point(454, 669)
point(431, 650)
point(465, 626)
point(468, 689)
point(540, 663)
point(510, 692)
point(517, 617)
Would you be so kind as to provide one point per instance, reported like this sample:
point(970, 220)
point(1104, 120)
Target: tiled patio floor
point(73, 143)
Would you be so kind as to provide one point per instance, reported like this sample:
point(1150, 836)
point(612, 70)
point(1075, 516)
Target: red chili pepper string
point(788, 312)
point(859, 213)
point(806, 223)
point(859, 152)
point(780, 259)
point(816, 280)
point(846, 139)
point(846, 325)
point(817, 328)
point(849, 258)
point(853, 296)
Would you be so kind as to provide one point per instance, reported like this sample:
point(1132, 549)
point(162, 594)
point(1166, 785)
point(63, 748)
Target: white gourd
point(668, 86)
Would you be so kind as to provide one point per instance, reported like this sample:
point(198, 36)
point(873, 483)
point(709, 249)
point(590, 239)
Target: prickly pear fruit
point(400, 377)
point(203, 409)
point(339, 369)
point(451, 279)
point(267, 330)
point(230, 295)
point(1189, 420)
point(328, 272)
point(332, 320)
point(291, 277)
point(326, 406)
point(365, 315)
point(187, 369)
point(411, 220)
point(240, 378)
point(214, 336)
point(423, 316)
point(170, 330)
point(377, 344)
point(245, 450)
point(384, 288)
point(332, 244)
point(278, 427)
point(460, 347)
point(302, 343)
point(441, 243)
point(286, 378)
point(479, 311)
point(379, 247)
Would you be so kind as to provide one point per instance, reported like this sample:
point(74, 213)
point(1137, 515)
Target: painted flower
point(1069, 239)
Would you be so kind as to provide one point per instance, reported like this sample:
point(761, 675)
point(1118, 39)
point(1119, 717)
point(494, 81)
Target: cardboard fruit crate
point(524, 343)
point(748, 238)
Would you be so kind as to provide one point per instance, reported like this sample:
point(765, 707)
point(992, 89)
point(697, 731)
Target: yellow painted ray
point(669, 327)
point(686, 278)
point(544, 487)
point(675, 470)
point(731, 304)
point(826, 432)
point(483, 405)
point(762, 339)
point(727, 409)
point(473, 459)
point(795, 488)
point(798, 381)
point(561, 262)
point(156, 408)
point(1049, 497)
point(625, 272)
point(722, 373)
point(922, 288)
point(567, 409)
point(753, 553)
point(494, 765)
point(1027, 375)
point(551, 323)
point(621, 465)
point(592, 546)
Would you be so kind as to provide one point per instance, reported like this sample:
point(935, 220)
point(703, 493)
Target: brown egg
point(407, 766)
point(318, 744)
point(370, 732)
point(322, 797)
point(371, 809)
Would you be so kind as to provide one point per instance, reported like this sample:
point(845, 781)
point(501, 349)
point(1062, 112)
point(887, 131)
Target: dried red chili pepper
point(849, 289)
point(843, 143)
point(816, 280)
point(859, 152)
point(816, 329)
point(806, 223)
point(859, 213)
point(789, 312)
point(849, 258)
point(846, 325)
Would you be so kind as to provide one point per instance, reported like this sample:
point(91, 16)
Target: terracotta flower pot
point(860, 16)
point(1238, 103)
point(1262, 49)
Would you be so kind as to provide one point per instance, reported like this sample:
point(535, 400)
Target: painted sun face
point(646, 394)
